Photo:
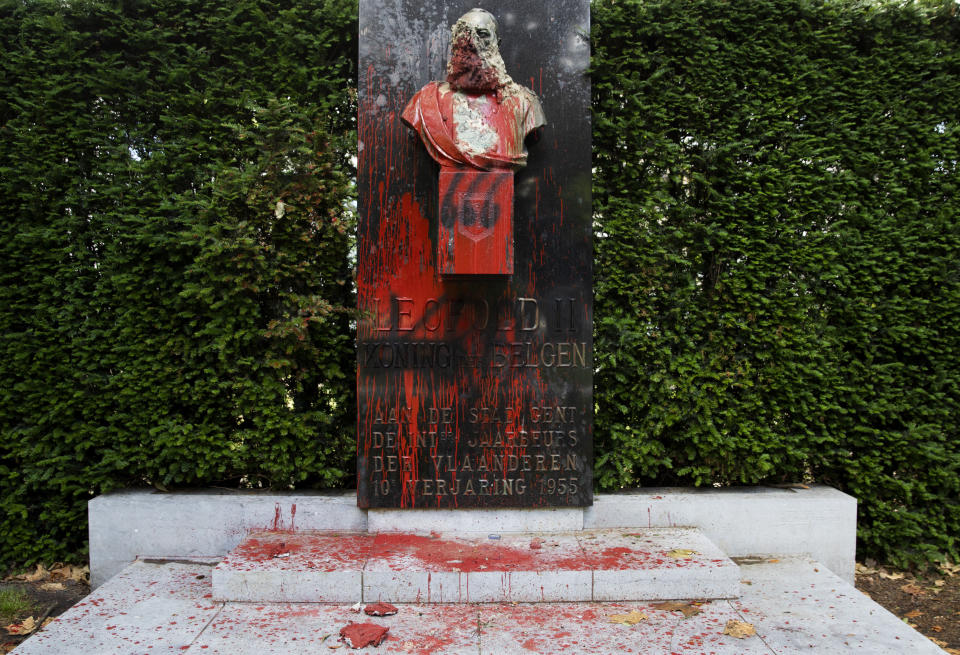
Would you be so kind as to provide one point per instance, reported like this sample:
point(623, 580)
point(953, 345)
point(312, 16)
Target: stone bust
point(479, 118)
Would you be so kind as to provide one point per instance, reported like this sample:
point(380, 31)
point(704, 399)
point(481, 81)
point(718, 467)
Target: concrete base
point(819, 522)
point(652, 564)
point(795, 605)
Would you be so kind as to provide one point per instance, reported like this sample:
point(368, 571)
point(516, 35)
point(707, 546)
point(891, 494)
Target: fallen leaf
point(47, 621)
point(951, 651)
point(739, 629)
point(939, 583)
point(864, 570)
point(359, 635)
point(25, 627)
point(40, 574)
point(890, 576)
point(912, 614)
point(950, 568)
point(749, 582)
point(673, 606)
point(52, 586)
point(335, 646)
point(380, 609)
point(633, 618)
point(912, 589)
point(772, 561)
point(70, 572)
point(6, 648)
point(681, 553)
point(938, 642)
point(936, 628)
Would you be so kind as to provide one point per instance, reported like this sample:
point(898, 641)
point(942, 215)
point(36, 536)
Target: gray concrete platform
point(588, 565)
point(816, 522)
point(796, 606)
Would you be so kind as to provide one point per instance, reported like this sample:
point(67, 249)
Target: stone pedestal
point(593, 565)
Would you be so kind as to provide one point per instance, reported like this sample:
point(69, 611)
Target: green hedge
point(165, 321)
point(778, 283)
point(777, 286)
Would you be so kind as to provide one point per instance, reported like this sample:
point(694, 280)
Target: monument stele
point(474, 256)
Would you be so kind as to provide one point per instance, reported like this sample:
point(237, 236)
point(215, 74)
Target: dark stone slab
point(474, 389)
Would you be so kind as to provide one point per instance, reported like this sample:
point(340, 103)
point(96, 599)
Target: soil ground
point(929, 602)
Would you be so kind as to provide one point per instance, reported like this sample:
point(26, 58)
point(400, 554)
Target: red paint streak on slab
point(300, 551)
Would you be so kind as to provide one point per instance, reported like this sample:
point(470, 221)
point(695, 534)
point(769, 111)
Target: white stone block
point(142, 523)
point(819, 522)
point(414, 586)
point(278, 586)
point(458, 521)
point(529, 586)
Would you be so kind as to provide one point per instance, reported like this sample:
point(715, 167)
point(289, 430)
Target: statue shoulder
point(410, 114)
point(533, 109)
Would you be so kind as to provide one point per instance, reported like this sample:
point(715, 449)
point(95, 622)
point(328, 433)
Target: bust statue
point(479, 118)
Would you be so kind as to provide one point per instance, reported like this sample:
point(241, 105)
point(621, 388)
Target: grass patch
point(14, 603)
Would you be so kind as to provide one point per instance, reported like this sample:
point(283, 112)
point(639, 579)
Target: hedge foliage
point(777, 282)
point(174, 190)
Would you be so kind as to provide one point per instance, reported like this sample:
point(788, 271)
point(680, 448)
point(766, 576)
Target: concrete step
point(588, 565)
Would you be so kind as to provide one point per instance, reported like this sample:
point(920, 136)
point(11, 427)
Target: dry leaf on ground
point(739, 629)
point(890, 576)
point(912, 589)
point(25, 627)
point(632, 618)
point(41, 573)
point(673, 606)
point(681, 553)
point(912, 614)
point(52, 586)
point(864, 570)
point(70, 572)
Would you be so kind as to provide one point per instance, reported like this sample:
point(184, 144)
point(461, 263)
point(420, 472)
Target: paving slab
point(574, 628)
point(795, 605)
point(147, 608)
point(308, 629)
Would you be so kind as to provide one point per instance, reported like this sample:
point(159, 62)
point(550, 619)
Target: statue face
point(483, 25)
point(475, 64)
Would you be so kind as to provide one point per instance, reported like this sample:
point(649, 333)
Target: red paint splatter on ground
point(359, 635)
point(380, 609)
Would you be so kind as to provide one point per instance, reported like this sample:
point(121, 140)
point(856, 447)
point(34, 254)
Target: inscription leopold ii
point(474, 346)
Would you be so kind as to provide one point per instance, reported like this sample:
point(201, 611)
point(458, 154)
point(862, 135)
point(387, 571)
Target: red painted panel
point(476, 223)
